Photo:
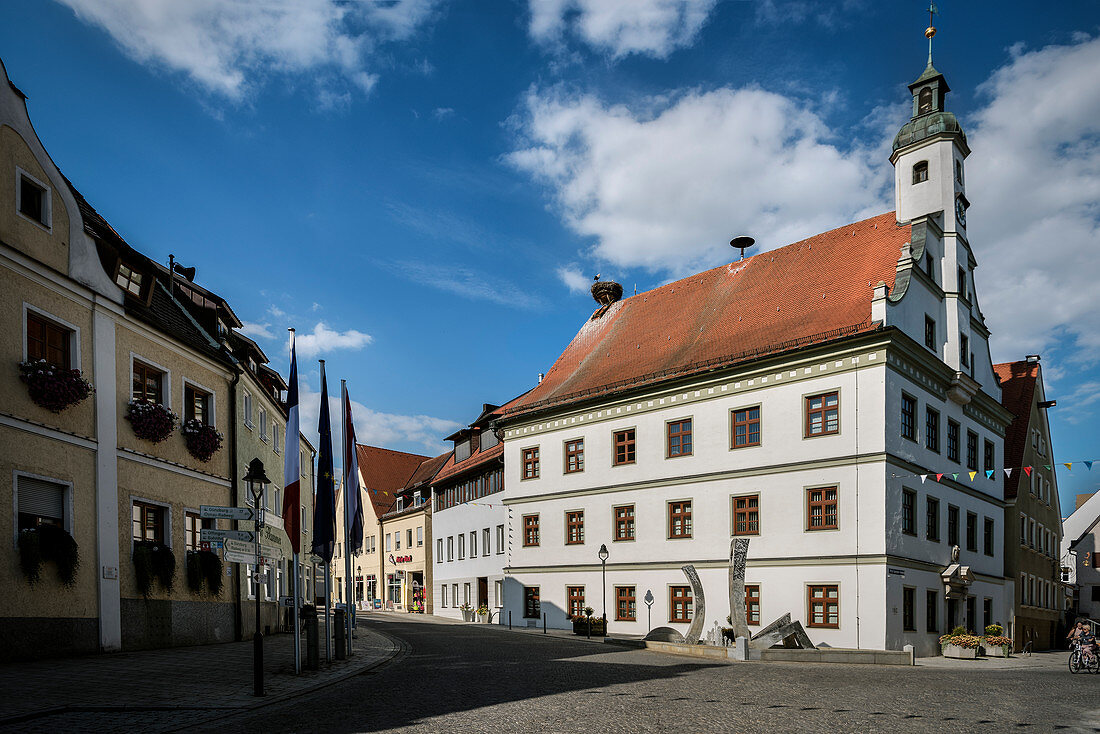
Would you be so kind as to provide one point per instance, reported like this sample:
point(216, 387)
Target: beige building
point(1033, 525)
point(112, 480)
point(99, 468)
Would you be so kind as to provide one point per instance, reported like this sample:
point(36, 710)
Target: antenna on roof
point(742, 243)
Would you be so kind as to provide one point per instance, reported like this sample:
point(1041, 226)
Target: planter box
point(467, 615)
point(599, 627)
point(996, 652)
point(484, 618)
point(962, 653)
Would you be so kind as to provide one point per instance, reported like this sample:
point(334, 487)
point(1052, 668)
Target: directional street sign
point(274, 521)
point(270, 536)
point(210, 534)
point(210, 545)
point(239, 546)
point(226, 513)
point(231, 557)
point(271, 552)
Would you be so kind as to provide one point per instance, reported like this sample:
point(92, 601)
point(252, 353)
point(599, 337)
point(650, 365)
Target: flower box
point(150, 421)
point(53, 388)
point(483, 617)
point(467, 615)
point(580, 626)
point(996, 646)
point(961, 653)
point(202, 441)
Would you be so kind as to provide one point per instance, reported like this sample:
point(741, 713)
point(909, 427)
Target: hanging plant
point(53, 388)
point(202, 441)
point(204, 567)
point(150, 421)
point(153, 561)
point(48, 543)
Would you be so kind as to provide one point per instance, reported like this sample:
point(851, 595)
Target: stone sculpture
point(664, 634)
point(782, 630)
point(699, 613)
point(739, 553)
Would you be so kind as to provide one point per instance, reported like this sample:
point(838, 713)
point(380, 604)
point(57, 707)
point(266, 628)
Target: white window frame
point(498, 592)
point(167, 519)
point(439, 552)
point(165, 389)
point(74, 340)
point(246, 406)
point(47, 204)
point(184, 382)
point(276, 430)
point(69, 507)
point(262, 415)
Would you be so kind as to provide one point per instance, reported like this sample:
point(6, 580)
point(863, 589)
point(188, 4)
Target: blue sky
point(424, 188)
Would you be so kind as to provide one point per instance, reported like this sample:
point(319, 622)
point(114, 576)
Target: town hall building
point(833, 401)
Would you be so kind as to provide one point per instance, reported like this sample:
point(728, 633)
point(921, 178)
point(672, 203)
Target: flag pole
point(295, 573)
point(328, 623)
point(328, 561)
point(344, 407)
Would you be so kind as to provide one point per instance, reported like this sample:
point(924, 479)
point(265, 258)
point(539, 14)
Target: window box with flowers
point(53, 388)
point(482, 614)
point(960, 644)
point(48, 543)
point(151, 421)
point(467, 613)
point(582, 623)
point(994, 643)
point(202, 441)
point(153, 560)
point(204, 569)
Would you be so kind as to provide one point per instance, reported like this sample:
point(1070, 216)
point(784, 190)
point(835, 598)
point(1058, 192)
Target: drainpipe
point(238, 624)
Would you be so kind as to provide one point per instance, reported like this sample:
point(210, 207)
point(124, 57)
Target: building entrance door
point(483, 591)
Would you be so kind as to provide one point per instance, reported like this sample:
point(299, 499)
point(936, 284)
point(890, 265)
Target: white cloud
point(276, 311)
point(442, 113)
point(323, 339)
point(650, 27)
point(257, 331)
point(226, 46)
point(574, 279)
point(417, 433)
point(466, 283)
point(666, 188)
point(1034, 183)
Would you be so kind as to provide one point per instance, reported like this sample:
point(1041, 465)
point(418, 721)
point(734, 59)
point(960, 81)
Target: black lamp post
point(603, 560)
point(257, 480)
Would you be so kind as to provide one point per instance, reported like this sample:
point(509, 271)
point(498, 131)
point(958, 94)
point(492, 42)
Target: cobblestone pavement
point(158, 690)
point(450, 677)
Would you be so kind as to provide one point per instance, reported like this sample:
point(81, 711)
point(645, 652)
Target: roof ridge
point(391, 451)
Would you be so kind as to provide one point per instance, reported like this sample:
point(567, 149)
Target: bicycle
point(1079, 659)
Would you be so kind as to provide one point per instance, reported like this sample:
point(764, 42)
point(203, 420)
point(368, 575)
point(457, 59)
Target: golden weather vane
point(930, 31)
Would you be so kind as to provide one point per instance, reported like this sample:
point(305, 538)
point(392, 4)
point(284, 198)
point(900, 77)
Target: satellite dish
point(742, 243)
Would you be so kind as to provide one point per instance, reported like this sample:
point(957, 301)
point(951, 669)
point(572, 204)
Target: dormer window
point(128, 279)
point(924, 101)
point(462, 450)
point(488, 439)
point(32, 198)
point(920, 172)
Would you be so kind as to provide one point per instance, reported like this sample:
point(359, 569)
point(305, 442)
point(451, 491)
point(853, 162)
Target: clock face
point(960, 212)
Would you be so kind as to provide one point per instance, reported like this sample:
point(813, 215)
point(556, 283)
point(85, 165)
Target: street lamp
point(257, 480)
point(603, 560)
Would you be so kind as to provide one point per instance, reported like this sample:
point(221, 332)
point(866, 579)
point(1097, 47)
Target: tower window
point(920, 172)
point(958, 170)
point(924, 101)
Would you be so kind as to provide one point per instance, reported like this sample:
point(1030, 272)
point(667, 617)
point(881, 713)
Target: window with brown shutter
point(824, 603)
point(46, 340)
point(823, 414)
point(624, 522)
point(574, 527)
point(679, 604)
point(626, 605)
point(625, 452)
point(530, 530)
point(752, 603)
point(574, 456)
point(745, 427)
point(746, 515)
point(148, 522)
point(196, 405)
point(679, 519)
point(575, 600)
point(822, 508)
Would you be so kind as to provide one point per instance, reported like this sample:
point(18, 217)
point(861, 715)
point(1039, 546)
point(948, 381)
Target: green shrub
point(994, 630)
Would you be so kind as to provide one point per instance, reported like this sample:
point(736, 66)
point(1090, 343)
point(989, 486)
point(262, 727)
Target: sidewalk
point(516, 628)
point(206, 677)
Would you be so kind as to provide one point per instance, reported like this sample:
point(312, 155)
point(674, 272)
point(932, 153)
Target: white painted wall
point(489, 512)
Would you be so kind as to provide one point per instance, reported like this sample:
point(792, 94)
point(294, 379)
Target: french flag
point(292, 470)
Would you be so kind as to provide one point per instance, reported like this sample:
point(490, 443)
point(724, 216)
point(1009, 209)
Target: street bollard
point(544, 623)
point(313, 653)
point(590, 627)
point(339, 634)
point(509, 621)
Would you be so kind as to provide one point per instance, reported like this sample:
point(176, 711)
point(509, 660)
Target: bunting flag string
point(1008, 470)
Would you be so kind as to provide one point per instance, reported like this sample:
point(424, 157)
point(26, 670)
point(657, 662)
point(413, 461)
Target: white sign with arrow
point(218, 512)
point(209, 534)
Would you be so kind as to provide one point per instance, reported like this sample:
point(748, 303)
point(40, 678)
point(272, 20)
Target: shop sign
point(400, 559)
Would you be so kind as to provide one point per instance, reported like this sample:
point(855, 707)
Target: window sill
point(679, 537)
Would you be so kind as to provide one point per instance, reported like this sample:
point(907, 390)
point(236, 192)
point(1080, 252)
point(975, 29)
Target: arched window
point(920, 172)
point(924, 101)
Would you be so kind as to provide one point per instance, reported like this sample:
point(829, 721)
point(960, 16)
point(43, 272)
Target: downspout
point(234, 477)
point(856, 421)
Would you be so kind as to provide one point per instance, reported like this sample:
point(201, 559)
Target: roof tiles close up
point(813, 290)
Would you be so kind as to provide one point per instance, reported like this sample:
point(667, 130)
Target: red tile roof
point(451, 469)
point(385, 473)
point(427, 471)
point(1017, 393)
point(809, 291)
